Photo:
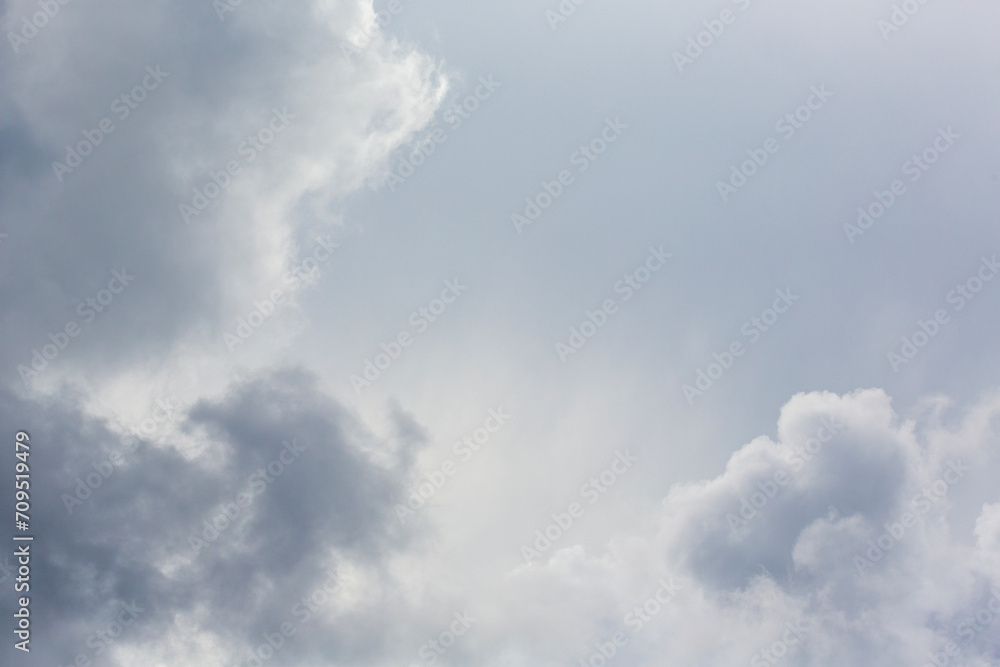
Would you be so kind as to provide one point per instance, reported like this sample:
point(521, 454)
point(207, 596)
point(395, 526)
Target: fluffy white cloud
point(863, 530)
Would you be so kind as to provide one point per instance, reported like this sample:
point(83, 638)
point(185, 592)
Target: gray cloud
point(308, 506)
point(793, 557)
point(216, 86)
point(757, 539)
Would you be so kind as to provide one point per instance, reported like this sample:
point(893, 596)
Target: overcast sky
point(521, 335)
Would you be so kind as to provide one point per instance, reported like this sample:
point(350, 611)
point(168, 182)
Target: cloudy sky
point(544, 333)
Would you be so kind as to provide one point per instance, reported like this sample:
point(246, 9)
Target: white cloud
point(794, 562)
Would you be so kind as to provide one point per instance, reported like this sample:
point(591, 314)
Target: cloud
point(752, 554)
point(776, 578)
point(163, 167)
point(191, 97)
point(285, 494)
point(264, 489)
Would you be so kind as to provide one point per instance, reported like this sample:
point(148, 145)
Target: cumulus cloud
point(222, 546)
point(853, 534)
point(163, 167)
point(167, 166)
point(267, 92)
point(862, 529)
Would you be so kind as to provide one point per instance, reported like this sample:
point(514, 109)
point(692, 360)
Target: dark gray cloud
point(313, 496)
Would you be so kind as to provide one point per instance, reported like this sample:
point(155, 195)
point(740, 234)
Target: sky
point(547, 333)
